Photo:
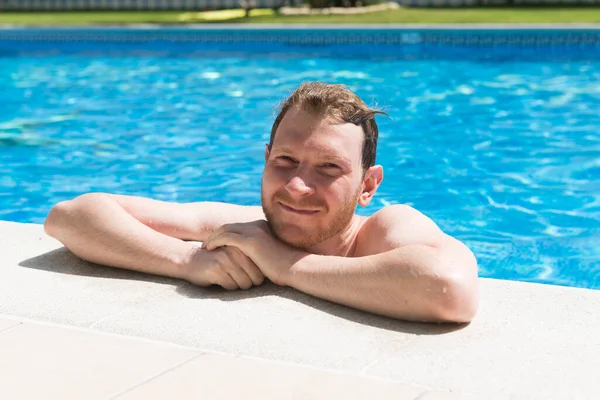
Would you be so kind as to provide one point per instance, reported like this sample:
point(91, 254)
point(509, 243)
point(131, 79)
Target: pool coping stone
point(528, 340)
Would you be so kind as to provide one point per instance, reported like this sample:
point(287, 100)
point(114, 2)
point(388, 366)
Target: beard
point(307, 235)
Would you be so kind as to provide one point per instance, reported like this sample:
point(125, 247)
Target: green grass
point(402, 15)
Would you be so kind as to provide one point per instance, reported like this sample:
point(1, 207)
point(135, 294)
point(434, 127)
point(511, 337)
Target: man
point(319, 164)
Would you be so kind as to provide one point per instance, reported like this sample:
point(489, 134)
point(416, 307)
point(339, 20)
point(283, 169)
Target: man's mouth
point(298, 210)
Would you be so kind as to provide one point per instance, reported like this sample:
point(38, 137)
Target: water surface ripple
point(503, 155)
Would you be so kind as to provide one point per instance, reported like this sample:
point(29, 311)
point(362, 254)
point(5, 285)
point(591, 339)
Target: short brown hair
point(338, 103)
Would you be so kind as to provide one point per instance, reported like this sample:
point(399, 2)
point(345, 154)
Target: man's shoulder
point(392, 217)
point(392, 214)
point(397, 225)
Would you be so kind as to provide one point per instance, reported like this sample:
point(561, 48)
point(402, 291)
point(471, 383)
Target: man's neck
point(343, 244)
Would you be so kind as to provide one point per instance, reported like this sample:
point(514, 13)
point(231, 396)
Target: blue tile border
point(408, 43)
point(313, 37)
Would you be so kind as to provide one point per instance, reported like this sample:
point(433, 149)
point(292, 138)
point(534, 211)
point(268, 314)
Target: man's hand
point(254, 239)
point(225, 266)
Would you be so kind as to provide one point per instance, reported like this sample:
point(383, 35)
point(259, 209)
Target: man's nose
point(299, 186)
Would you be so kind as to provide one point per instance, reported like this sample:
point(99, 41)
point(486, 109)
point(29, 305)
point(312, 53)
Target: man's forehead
point(300, 125)
point(324, 141)
point(297, 115)
point(326, 138)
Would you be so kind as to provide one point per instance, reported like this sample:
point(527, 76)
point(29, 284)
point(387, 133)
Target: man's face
point(312, 178)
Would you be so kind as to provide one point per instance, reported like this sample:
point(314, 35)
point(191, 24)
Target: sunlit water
point(503, 155)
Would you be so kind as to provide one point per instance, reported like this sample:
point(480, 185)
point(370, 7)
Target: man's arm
point(404, 267)
point(407, 268)
point(415, 282)
point(138, 233)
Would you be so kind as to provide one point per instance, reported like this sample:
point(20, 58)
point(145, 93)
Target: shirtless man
point(319, 164)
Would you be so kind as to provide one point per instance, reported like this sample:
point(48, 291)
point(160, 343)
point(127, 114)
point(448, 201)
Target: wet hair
point(338, 104)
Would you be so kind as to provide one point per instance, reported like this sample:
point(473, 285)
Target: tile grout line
point(424, 389)
point(12, 326)
point(88, 329)
point(314, 368)
point(421, 395)
point(85, 329)
point(129, 389)
point(363, 370)
point(201, 351)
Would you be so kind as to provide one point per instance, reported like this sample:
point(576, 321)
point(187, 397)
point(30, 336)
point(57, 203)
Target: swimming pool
point(497, 140)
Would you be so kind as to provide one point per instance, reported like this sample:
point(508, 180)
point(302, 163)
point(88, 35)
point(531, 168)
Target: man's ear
point(371, 181)
point(267, 152)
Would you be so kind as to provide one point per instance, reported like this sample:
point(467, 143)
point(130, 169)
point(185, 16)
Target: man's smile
point(298, 210)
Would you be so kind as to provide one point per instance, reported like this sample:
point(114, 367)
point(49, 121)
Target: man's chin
point(293, 239)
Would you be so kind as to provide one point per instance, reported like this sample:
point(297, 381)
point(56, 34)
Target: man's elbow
point(459, 283)
point(56, 218)
point(461, 301)
point(459, 298)
point(64, 213)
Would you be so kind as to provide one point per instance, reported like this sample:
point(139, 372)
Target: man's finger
point(226, 281)
point(215, 234)
point(231, 265)
point(251, 269)
point(255, 274)
point(239, 228)
point(212, 235)
point(224, 239)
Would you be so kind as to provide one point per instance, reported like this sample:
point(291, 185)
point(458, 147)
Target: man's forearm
point(405, 283)
point(97, 229)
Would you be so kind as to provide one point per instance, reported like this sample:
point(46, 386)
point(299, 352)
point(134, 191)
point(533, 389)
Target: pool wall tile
point(409, 43)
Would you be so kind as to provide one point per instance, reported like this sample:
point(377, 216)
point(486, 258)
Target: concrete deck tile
point(527, 341)
point(44, 281)
point(71, 291)
point(500, 354)
point(218, 376)
point(48, 362)
point(266, 322)
point(6, 323)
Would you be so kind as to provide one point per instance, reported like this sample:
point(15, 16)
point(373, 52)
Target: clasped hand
point(241, 256)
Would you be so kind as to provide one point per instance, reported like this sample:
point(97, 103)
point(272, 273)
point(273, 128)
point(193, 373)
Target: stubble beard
point(341, 220)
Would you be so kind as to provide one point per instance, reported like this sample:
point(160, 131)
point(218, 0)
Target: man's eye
point(330, 165)
point(286, 159)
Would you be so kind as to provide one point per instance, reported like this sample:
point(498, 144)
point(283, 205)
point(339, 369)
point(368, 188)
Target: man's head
point(339, 105)
point(320, 163)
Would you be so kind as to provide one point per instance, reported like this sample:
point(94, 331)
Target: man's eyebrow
point(282, 150)
point(338, 159)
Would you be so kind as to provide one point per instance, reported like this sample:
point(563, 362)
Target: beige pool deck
point(73, 330)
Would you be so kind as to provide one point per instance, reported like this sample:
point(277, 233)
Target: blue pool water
point(504, 155)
